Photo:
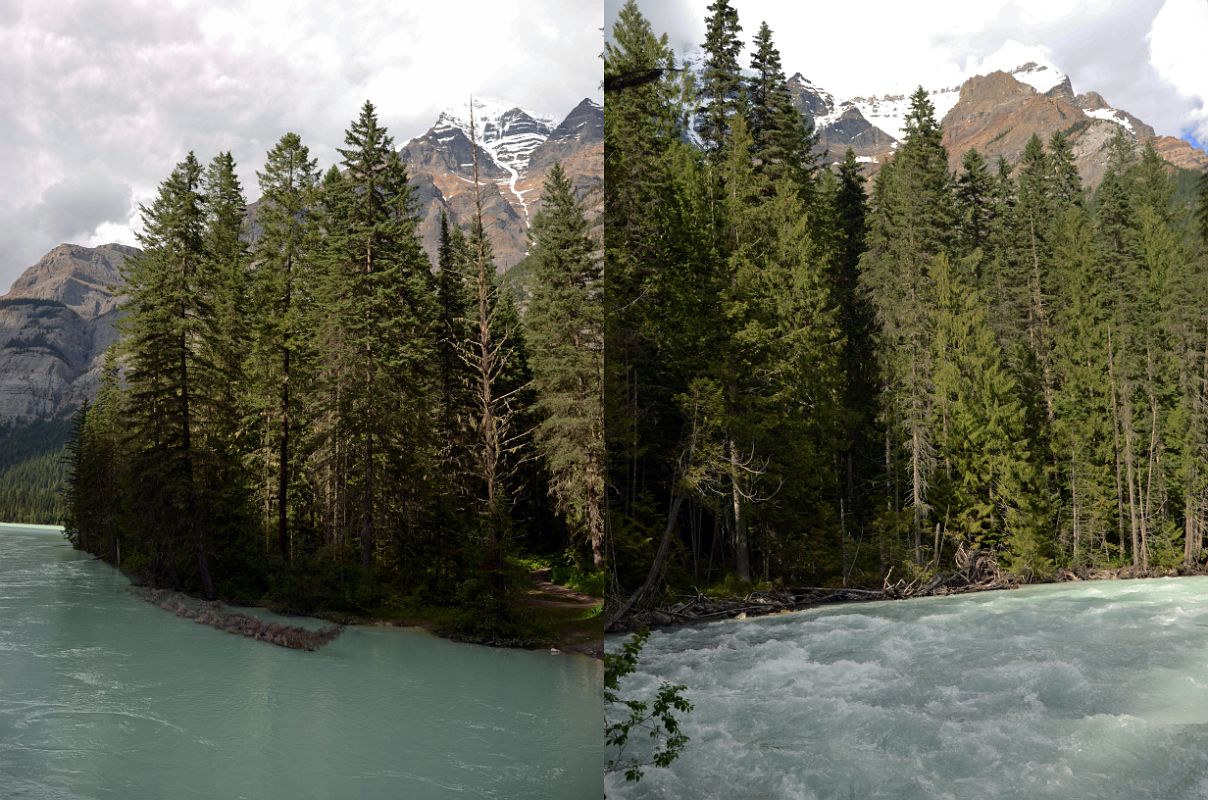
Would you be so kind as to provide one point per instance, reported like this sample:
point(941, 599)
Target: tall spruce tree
point(912, 222)
point(380, 297)
point(164, 331)
point(455, 393)
point(284, 282)
point(721, 89)
point(565, 331)
point(861, 454)
point(782, 145)
point(975, 199)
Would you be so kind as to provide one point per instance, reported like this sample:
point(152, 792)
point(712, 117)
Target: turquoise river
point(103, 695)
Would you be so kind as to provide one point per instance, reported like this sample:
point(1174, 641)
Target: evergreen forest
point(813, 379)
point(32, 471)
point(303, 411)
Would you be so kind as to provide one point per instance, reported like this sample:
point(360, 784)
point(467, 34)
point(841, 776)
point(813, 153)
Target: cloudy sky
point(1149, 57)
point(99, 98)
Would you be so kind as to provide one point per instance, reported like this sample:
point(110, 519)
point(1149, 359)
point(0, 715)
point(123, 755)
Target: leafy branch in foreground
point(654, 717)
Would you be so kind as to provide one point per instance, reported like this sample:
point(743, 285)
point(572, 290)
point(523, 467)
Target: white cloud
point(132, 85)
point(1177, 52)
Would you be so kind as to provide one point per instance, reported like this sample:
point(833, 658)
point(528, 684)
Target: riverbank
point(549, 617)
point(36, 526)
point(555, 619)
point(693, 609)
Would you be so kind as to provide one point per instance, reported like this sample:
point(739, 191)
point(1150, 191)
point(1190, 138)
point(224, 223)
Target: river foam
point(1064, 691)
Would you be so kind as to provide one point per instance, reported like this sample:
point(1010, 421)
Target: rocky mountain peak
point(81, 278)
point(1063, 90)
point(809, 98)
point(507, 132)
point(55, 325)
point(1040, 75)
point(516, 147)
point(994, 110)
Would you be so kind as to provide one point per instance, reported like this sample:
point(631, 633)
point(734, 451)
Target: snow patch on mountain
point(508, 133)
point(888, 112)
point(1111, 115)
point(1030, 64)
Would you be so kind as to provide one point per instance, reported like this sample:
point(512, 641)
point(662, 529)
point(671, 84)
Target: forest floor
point(572, 618)
point(551, 617)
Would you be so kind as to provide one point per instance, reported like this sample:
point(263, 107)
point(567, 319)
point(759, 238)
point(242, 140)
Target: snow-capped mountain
point(993, 109)
point(888, 111)
point(515, 148)
point(507, 132)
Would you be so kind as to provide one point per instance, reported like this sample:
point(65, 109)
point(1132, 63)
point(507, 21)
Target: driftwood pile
point(701, 608)
point(1125, 573)
point(216, 615)
point(976, 571)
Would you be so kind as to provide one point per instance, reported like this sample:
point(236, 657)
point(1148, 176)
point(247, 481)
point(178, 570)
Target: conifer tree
point(721, 90)
point(1065, 185)
point(782, 145)
point(984, 443)
point(858, 325)
point(455, 390)
point(1030, 280)
point(285, 262)
point(453, 287)
point(1202, 208)
point(912, 221)
point(1082, 429)
point(975, 199)
point(565, 331)
point(381, 297)
point(659, 258)
point(165, 329)
point(220, 377)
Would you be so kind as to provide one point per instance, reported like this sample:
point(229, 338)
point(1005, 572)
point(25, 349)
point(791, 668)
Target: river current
point(103, 695)
point(1083, 690)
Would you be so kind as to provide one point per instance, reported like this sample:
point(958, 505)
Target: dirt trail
point(574, 632)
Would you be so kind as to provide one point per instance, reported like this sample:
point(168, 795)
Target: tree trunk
point(367, 498)
point(1111, 371)
point(742, 552)
point(283, 466)
point(654, 575)
point(1130, 475)
point(916, 492)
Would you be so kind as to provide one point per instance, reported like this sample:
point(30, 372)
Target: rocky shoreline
point(217, 615)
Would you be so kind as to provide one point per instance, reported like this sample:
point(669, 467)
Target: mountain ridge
point(993, 110)
point(60, 314)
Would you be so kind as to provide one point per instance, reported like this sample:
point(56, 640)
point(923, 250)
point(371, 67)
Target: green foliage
point(564, 329)
point(296, 422)
point(809, 386)
point(721, 90)
point(654, 718)
point(781, 145)
point(32, 471)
